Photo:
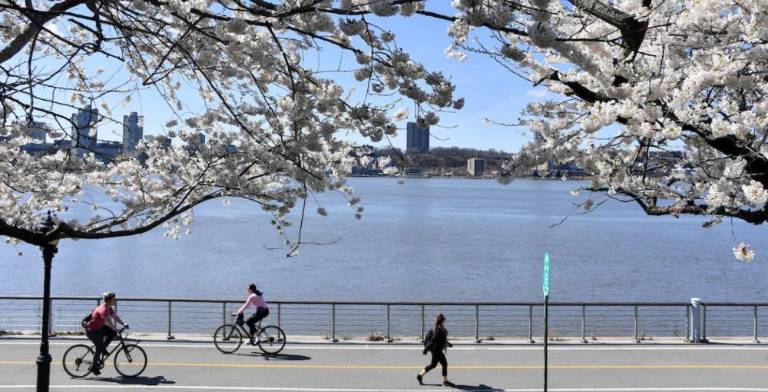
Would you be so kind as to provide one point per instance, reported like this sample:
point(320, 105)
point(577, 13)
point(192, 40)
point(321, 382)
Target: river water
point(424, 239)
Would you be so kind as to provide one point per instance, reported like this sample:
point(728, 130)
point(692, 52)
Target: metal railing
point(339, 320)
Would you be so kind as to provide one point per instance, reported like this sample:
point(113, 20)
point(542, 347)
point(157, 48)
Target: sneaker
point(95, 370)
point(419, 379)
point(447, 383)
point(251, 341)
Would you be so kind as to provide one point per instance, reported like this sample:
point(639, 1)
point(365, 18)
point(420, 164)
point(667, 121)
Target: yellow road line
point(400, 367)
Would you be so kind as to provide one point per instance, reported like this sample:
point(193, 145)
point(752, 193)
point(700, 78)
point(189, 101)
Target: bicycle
point(130, 359)
point(229, 337)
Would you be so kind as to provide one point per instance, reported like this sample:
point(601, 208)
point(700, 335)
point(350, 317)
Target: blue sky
point(490, 92)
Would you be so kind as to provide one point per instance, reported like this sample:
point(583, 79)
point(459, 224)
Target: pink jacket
point(255, 300)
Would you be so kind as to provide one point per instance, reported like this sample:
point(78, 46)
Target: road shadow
point(278, 357)
point(481, 387)
point(157, 380)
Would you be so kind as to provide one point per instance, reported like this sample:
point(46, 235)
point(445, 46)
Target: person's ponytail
point(439, 321)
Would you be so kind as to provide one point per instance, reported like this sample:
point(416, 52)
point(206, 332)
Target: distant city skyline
point(491, 92)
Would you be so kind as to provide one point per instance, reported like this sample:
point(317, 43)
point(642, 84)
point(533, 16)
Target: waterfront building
point(417, 139)
point(475, 167)
point(85, 138)
point(61, 144)
point(413, 172)
point(37, 130)
point(553, 168)
point(108, 151)
point(133, 131)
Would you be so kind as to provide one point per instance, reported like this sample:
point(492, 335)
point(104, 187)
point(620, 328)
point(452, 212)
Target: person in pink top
point(102, 327)
point(256, 299)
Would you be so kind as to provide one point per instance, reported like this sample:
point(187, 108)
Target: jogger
point(436, 342)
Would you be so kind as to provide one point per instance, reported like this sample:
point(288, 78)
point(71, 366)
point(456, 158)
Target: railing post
point(170, 318)
point(530, 324)
point(50, 317)
point(704, 322)
point(698, 322)
point(223, 312)
point(278, 314)
point(754, 324)
point(333, 323)
point(477, 324)
point(422, 323)
point(583, 323)
point(636, 337)
point(389, 337)
point(688, 323)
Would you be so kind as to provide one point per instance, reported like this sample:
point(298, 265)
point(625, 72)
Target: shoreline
point(586, 178)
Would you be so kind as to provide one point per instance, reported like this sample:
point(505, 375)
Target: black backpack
point(87, 319)
point(429, 340)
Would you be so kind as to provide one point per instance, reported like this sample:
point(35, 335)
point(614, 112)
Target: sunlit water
point(425, 239)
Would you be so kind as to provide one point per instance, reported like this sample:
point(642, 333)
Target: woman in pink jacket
point(255, 298)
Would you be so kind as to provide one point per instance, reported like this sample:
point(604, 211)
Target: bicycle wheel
point(130, 361)
point(271, 339)
point(77, 361)
point(227, 338)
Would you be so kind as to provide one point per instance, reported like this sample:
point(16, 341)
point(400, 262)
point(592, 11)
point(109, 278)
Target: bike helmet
point(107, 295)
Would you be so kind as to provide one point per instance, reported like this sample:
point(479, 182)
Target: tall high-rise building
point(417, 139)
point(84, 120)
point(133, 131)
point(475, 167)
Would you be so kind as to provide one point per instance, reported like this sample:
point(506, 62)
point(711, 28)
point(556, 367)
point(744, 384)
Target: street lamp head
point(47, 224)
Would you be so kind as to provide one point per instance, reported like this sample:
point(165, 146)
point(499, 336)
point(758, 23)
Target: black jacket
point(439, 340)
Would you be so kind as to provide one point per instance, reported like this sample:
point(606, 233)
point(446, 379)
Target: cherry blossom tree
point(664, 101)
point(236, 72)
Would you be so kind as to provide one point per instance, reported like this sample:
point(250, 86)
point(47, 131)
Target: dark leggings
point(101, 339)
point(260, 314)
point(438, 357)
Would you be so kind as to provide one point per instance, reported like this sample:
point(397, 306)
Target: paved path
point(391, 368)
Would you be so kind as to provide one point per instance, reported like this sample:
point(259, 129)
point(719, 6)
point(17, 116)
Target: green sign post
point(545, 288)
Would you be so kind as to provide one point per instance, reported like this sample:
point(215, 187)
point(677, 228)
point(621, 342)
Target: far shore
point(584, 178)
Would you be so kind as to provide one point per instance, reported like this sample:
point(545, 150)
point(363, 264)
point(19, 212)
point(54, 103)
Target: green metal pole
point(546, 338)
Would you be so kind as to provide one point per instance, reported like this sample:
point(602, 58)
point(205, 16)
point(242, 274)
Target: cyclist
point(255, 298)
point(102, 327)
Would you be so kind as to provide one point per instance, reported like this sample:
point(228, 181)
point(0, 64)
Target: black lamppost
point(44, 358)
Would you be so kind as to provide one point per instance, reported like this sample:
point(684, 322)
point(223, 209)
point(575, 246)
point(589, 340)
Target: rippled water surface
point(425, 239)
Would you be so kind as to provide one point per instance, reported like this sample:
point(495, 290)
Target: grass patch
point(68, 333)
point(376, 337)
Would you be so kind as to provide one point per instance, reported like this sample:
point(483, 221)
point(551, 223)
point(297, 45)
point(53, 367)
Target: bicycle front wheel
point(271, 339)
point(77, 361)
point(130, 361)
point(227, 338)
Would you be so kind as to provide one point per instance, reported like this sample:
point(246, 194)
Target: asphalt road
point(391, 368)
